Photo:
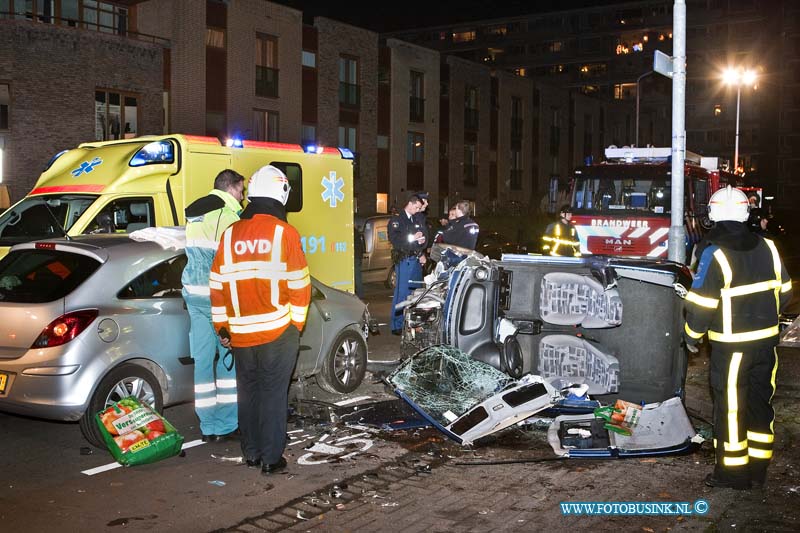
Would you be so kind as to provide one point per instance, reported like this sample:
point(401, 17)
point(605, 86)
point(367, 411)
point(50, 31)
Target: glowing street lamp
point(738, 77)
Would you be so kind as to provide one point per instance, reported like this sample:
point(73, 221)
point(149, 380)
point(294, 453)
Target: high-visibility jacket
point(737, 295)
point(259, 281)
point(206, 219)
point(561, 239)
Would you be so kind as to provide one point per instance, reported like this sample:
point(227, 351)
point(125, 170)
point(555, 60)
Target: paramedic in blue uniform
point(736, 297)
point(462, 230)
point(409, 238)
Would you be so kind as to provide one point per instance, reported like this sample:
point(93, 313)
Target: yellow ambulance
point(122, 186)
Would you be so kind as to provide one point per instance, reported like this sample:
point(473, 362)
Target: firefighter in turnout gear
point(214, 376)
point(260, 292)
point(736, 297)
point(560, 237)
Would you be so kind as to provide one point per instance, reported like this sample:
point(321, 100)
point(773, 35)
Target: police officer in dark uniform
point(560, 237)
point(409, 238)
point(736, 297)
point(462, 230)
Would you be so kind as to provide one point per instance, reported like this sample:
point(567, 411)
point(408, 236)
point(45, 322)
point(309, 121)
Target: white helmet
point(269, 182)
point(728, 204)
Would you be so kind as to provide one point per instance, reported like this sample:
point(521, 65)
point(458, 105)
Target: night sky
point(394, 16)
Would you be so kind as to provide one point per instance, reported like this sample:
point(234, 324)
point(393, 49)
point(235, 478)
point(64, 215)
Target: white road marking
point(352, 400)
point(112, 466)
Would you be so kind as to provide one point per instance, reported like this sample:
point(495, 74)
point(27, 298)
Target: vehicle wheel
point(125, 380)
point(346, 363)
point(391, 279)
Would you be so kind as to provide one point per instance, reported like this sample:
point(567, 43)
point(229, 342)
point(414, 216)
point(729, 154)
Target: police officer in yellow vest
point(560, 237)
point(736, 297)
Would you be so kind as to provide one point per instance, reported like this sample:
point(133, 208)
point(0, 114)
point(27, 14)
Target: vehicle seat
point(565, 360)
point(572, 299)
point(142, 213)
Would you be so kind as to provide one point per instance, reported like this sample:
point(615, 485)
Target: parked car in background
point(90, 320)
point(494, 245)
point(376, 264)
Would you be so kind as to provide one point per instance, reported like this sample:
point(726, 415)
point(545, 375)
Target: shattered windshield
point(42, 217)
point(445, 382)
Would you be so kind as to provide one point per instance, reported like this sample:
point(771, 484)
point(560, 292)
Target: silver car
point(87, 321)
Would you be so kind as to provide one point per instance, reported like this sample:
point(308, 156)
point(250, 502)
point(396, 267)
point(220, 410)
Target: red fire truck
point(622, 205)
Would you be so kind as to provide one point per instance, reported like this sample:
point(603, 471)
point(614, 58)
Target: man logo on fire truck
point(621, 206)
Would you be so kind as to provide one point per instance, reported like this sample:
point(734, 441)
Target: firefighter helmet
point(269, 182)
point(728, 204)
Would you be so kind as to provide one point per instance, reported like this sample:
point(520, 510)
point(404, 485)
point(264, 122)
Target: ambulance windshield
point(42, 217)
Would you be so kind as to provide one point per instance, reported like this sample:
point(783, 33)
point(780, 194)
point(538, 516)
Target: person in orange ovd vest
point(260, 292)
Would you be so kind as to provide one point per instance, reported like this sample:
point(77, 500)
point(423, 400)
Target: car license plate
point(3, 381)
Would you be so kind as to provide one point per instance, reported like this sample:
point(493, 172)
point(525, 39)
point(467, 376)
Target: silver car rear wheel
point(344, 367)
point(123, 381)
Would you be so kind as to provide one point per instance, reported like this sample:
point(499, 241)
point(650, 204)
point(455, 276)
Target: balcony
point(471, 119)
point(349, 94)
point(416, 107)
point(266, 82)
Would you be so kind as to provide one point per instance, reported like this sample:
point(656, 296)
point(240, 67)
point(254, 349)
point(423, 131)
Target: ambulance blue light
point(53, 159)
point(312, 149)
point(346, 153)
point(157, 152)
point(235, 142)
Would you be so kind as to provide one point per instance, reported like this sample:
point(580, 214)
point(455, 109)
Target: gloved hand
point(692, 348)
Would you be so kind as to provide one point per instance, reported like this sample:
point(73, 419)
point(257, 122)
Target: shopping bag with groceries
point(136, 434)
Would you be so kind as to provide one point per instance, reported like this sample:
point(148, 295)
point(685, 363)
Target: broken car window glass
point(445, 382)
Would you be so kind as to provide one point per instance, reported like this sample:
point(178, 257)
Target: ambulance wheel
point(511, 360)
point(125, 380)
point(344, 367)
point(391, 279)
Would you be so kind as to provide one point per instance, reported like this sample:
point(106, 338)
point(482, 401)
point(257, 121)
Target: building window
point(215, 37)
point(309, 59)
point(347, 137)
point(383, 142)
point(348, 81)
point(116, 115)
point(266, 65)
point(471, 121)
point(554, 46)
point(5, 102)
point(265, 125)
point(624, 91)
point(308, 134)
point(717, 110)
point(515, 178)
point(103, 16)
point(464, 36)
point(470, 165)
point(415, 152)
point(416, 102)
point(517, 124)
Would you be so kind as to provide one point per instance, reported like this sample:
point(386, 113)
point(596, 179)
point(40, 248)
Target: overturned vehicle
point(609, 325)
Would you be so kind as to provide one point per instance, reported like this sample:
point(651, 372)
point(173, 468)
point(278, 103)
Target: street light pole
point(639, 79)
point(738, 77)
point(736, 144)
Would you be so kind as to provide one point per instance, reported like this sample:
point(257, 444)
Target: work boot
point(734, 484)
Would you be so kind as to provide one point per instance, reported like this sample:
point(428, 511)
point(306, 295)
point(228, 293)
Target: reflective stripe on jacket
point(259, 281)
point(737, 295)
point(559, 234)
point(202, 239)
